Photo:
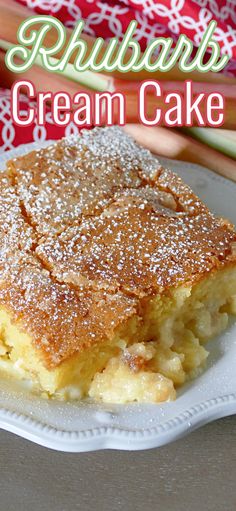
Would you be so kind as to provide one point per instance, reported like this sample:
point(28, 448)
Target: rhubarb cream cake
point(113, 273)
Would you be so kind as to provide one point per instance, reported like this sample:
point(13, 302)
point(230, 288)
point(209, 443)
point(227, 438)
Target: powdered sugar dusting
point(91, 225)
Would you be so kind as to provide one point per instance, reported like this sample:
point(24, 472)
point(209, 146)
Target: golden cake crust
point(90, 227)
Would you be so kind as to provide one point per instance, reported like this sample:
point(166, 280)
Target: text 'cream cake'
point(113, 274)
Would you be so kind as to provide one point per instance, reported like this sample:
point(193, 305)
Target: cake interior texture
point(113, 274)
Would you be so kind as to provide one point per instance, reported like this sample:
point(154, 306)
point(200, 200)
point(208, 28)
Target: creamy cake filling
point(148, 358)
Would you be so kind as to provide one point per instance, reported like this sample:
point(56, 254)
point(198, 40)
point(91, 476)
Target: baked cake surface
point(106, 262)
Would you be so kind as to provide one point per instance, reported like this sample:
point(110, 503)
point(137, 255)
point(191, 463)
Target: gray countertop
point(196, 473)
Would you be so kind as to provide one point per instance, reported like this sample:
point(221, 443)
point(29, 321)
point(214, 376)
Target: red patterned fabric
point(155, 18)
point(111, 18)
point(12, 135)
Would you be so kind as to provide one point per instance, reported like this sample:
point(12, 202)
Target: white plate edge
point(111, 437)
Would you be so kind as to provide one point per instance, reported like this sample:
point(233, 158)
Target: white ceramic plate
point(86, 426)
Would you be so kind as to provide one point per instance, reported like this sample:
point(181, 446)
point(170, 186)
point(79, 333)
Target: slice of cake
point(113, 274)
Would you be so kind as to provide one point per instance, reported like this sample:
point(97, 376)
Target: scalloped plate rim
point(112, 437)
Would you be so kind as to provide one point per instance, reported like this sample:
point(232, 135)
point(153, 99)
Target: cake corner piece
point(113, 273)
